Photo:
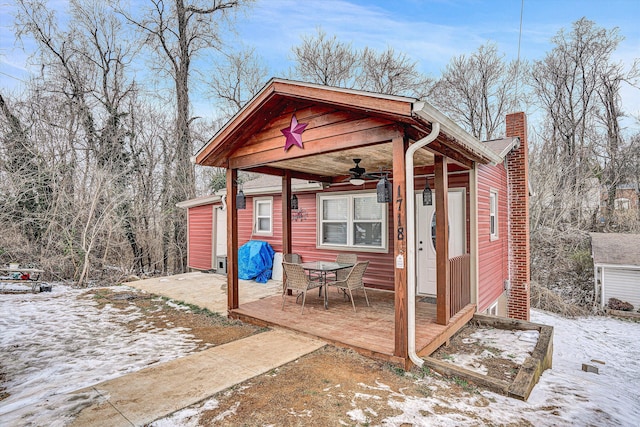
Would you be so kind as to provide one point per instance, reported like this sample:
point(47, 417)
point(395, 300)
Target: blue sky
point(430, 32)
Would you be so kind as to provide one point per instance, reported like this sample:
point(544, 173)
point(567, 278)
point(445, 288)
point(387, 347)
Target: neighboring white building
point(591, 200)
point(616, 260)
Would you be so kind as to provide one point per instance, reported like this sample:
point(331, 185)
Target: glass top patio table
point(324, 267)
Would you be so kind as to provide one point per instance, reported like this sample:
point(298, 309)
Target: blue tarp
point(255, 261)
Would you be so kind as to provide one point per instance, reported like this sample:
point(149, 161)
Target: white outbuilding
point(616, 260)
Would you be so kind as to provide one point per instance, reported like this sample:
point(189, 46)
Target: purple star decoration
point(294, 133)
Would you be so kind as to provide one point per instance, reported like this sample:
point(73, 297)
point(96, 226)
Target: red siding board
point(380, 273)
point(493, 255)
point(200, 249)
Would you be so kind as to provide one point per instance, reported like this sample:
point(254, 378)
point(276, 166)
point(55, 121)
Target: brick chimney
point(518, 178)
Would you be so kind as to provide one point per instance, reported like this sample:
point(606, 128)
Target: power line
point(13, 77)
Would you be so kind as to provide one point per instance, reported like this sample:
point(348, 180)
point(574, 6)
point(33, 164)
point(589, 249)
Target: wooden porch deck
point(369, 331)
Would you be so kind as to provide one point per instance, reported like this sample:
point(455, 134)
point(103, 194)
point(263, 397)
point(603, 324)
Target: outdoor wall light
point(383, 190)
point(241, 200)
point(427, 196)
point(294, 202)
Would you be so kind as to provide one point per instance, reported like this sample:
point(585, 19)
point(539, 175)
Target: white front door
point(426, 240)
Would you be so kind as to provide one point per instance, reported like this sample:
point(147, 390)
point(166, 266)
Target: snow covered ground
point(54, 343)
point(565, 395)
point(508, 344)
point(611, 397)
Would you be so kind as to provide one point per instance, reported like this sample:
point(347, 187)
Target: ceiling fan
point(358, 173)
point(383, 187)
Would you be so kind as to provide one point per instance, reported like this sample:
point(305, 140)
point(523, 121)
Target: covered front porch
point(369, 330)
point(403, 142)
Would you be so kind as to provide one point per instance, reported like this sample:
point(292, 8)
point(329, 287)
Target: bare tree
point(100, 42)
point(85, 161)
point(616, 167)
point(152, 128)
point(571, 83)
point(236, 80)
point(477, 91)
point(392, 73)
point(66, 79)
point(26, 192)
point(579, 149)
point(326, 61)
point(177, 32)
point(61, 66)
point(82, 112)
point(632, 153)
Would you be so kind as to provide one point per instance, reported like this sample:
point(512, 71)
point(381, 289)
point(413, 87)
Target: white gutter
point(207, 200)
point(452, 129)
point(411, 241)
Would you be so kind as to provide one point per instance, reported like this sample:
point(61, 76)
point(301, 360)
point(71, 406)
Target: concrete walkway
point(141, 397)
point(206, 290)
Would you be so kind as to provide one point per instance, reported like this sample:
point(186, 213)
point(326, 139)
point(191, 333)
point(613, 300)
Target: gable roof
point(279, 94)
point(199, 201)
point(271, 97)
point(615, 248)
point(502, 146)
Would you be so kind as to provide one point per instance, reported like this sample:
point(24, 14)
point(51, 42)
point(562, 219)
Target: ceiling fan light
point(356, 181)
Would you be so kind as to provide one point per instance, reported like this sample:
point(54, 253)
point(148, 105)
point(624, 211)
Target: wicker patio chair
point(345, 259)
point(297, 280)
point(294, 259)
point(353, 281)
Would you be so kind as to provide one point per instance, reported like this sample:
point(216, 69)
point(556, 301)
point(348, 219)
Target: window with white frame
point(351, 220)
point(493, 214)
point(263, 216)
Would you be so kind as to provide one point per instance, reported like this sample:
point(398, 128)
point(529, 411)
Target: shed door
point(426, 243)
point(621, 283)
point(200, 249)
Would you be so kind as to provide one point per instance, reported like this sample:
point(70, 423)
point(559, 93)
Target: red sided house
point(432, 266)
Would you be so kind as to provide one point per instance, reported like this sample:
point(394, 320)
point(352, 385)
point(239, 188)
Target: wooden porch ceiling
point(335, 165)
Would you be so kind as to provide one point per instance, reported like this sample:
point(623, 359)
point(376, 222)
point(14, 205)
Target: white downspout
point(411, 242)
